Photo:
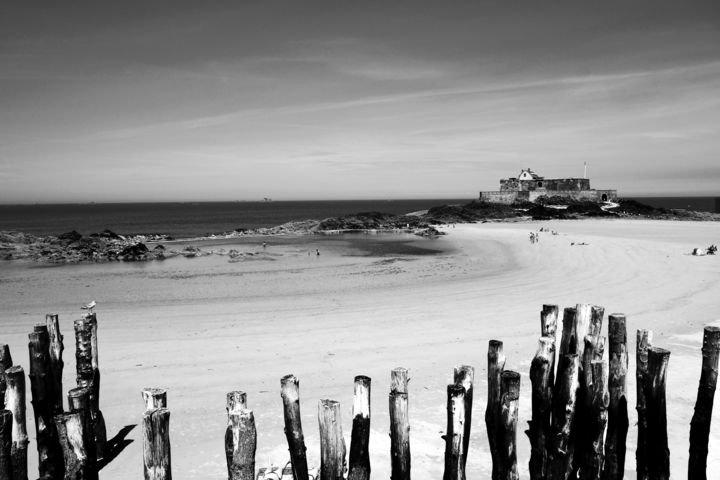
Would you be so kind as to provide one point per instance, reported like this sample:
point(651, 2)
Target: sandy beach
point(202, 327)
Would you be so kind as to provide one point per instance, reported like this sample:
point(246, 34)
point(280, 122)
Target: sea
point(197, 219)
point(192, 219)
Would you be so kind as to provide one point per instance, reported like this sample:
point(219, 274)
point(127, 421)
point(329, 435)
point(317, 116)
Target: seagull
point(89, 306)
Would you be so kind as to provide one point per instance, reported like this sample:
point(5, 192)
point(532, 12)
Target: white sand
point(203, 327)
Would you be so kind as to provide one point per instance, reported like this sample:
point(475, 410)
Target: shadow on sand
point(116, 445)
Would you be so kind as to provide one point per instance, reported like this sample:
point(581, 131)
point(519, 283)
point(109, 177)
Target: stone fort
point(529, 186)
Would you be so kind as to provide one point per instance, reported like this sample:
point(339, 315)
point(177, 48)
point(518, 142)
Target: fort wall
point(509, 197)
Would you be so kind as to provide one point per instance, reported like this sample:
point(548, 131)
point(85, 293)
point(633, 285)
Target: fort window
point(539, 184)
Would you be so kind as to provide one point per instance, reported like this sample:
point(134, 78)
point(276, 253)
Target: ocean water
point(701, 204)
point(187, 220)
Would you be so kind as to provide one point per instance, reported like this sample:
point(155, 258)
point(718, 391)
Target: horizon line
point(4, 204)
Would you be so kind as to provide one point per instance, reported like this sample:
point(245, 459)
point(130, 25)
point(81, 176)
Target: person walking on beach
point(317, 252)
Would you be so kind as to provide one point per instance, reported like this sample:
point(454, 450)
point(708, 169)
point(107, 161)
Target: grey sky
point(189, 100)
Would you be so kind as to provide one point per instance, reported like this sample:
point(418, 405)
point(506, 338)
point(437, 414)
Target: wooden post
point(154, 398)
point(596, 318)
point(5, 363)
point(15, 402)
point(592, 468)
point(83, 353)
point(700, 424)
point(235, 401)
point(618, 422)
point(79, 402)
point(454, 466)
point(496, 364)
point(642, 454)
point(6, 421)
point(74, 440)
point(465, 375)
point(88, 375)
point(332, 444)
point(541, 378)
point(50, 460)
point(240, 444)
point(548, 320)
point(290, 393)
point(563, 415)
point(567, 338)
point(548, 328)
point(399, 425)
point(657, 441)
point(359, 460)
point(510, 399)
point(156, 444)
point(56, 361)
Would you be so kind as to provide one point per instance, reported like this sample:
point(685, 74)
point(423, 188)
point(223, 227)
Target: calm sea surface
point(701, 204)
point(185, 220)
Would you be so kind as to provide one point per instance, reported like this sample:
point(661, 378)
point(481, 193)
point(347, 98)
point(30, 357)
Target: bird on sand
point(89, 306)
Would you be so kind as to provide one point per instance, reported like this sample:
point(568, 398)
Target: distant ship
point(267, 199)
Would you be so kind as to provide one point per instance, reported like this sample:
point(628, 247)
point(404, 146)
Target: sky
point(239, 100)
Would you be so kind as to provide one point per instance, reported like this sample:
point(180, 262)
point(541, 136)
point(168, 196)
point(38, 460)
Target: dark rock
point(134, 251)
point(588, 209)
point(72, 236)
point(107, 233)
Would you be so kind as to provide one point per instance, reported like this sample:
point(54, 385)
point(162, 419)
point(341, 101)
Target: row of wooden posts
point(70, 444)
point(578, 427)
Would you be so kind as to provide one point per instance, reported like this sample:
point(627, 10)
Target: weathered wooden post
point(584, 437)
point(507, 434)
point(290, 393)
point(240, 445)
point(548, 320)
point(15, 402)
point(399, 425)
point(50, 460)
point(567, 337)
point(617, 425)
point(596, 318)
point(592, 468)
point(6, 421)
point(465, 375)
point(563, 416)
point(5, 363)
point(73, 437)
point(154, 398)
point(88, 375)
point(359, 459)
point(79, 402)
point(156, 444)
point(496, 364)
point(541, 378)
point(454, 466)
point(332, 444)
point(642, 454)
point(700, 423)
point(235, 401)
point(56, 361)
point(659, 467)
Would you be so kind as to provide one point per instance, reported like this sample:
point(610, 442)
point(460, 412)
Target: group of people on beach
point(535, 236)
